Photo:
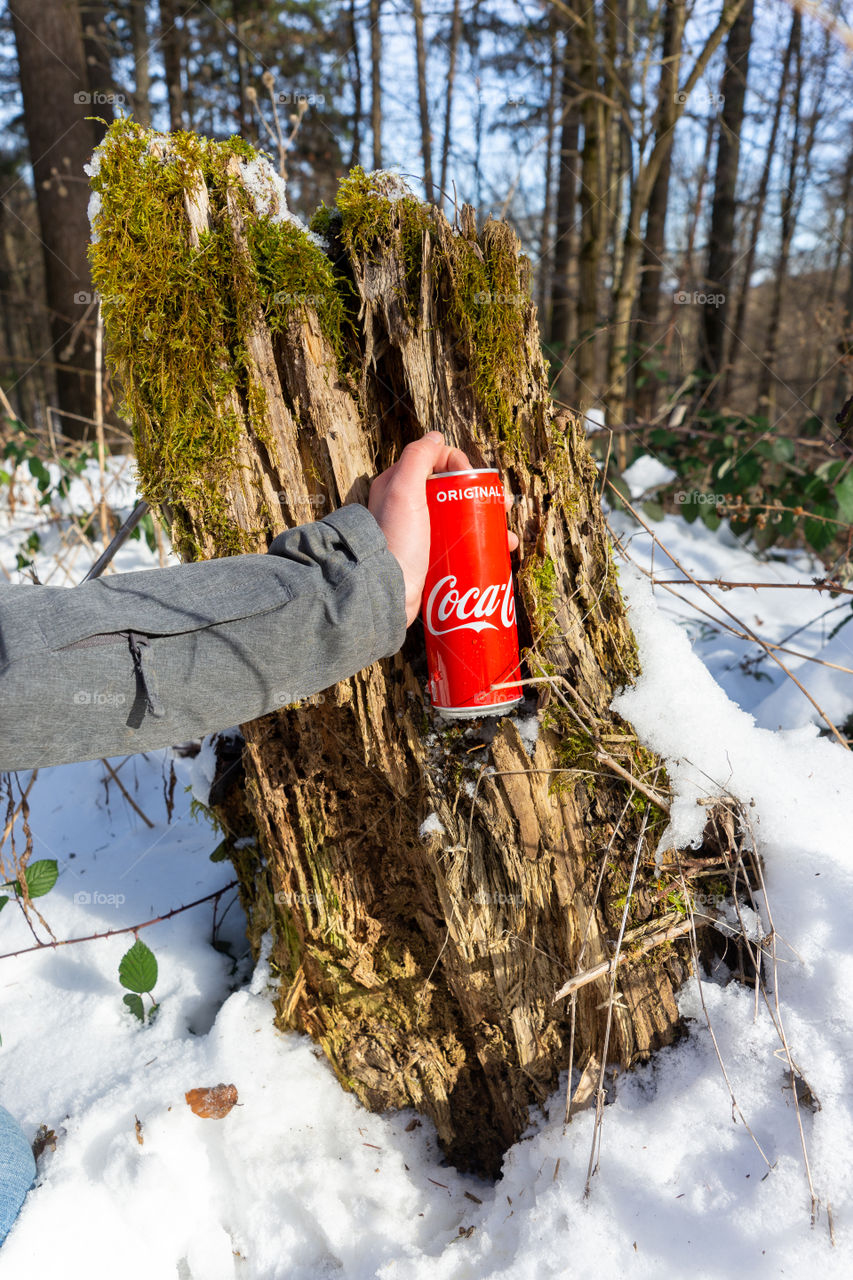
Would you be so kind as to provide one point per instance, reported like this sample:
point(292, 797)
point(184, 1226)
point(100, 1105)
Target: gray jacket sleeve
point(143, 660)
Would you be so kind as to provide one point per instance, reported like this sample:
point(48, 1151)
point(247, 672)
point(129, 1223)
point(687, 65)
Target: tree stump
point(270, 375)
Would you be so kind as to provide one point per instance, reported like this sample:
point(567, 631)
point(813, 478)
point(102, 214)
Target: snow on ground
point(299, 1181)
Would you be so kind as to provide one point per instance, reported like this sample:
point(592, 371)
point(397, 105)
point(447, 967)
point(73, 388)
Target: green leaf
point(782, 449)
point(662, 438)
point(843, 494)
point(220, 853)
point(709, 517)
point(621, 488)
point(690, 508)
point(138, 968)
point(40, 877)
point(818, 534)
point(653, 510)
point(136, 1007)
point(3, 900)
point(829, 470)
point(39, 472)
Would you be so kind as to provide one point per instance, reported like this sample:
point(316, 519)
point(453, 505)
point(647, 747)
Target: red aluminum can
point(468, 604)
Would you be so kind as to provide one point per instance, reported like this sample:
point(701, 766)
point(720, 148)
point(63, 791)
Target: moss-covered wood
point(269, 381)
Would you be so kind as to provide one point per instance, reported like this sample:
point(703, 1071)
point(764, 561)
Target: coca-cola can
point(468, 606)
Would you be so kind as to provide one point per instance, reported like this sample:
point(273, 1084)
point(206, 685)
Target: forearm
point(142, 660)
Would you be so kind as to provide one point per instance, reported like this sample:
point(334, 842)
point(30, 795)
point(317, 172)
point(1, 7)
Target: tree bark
point(423, 960)
point(651, 268)
point(172, 41)
point(423, 100)
point(564, 279)
point(99, 69)
point(799, 166)
point(376, 82)
point(625, 290)
point(55, 91)
point(453, 50)
point(593, 191)
point(358, 107)
point(760, 199)
point(721, 242)
point(141, 67)
point(244, 114)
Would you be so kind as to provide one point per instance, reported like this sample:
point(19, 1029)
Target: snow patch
point(431, 826)
point(269, 195)
point(528, 730)
point(203, 770)
point(645, 474)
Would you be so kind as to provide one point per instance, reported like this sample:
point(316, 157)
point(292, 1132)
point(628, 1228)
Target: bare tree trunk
point(648, 302)
point(243, 112)
point(721, 251)
point(800, 159)
point(625, 291)
point(593, 192)
point(687, 274)
point(423, 960)
point(543, 262)
point(453, 50)
point(564, 301)
point(141, 67)
point(99, 69)
point(358, 105)
point(376, 82)
point(172, 43)
point(423, 100)
point(758, 214)
point(16, 321)
point(54, 86)
point(833, 391)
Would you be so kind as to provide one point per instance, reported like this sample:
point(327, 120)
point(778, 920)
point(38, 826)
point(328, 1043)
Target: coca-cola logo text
point(470, 610)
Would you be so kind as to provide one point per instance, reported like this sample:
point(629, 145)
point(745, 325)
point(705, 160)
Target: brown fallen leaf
point(213, 1103)
point(44, 1138)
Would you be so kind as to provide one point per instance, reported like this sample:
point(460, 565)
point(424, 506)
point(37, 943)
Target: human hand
point(397, 502)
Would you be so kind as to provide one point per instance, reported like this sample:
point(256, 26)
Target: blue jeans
point(17, 1170)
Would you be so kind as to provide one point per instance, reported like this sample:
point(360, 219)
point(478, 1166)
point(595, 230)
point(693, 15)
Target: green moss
point(175, 314)
point(487, 294)
point(537, 581)
point(489, 302)
point(324, 220)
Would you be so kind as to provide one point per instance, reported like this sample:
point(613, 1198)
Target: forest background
point(680, 176)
